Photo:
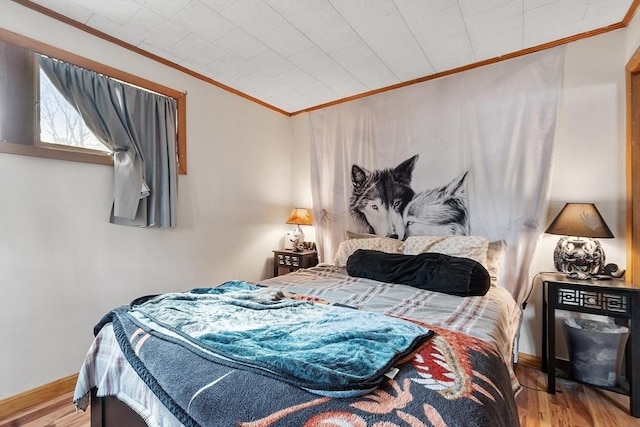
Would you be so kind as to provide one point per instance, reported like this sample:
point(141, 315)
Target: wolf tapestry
point(466, 154)
point(384, 203)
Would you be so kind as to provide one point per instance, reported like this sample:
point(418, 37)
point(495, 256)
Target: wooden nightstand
point(291, 260)
point(614, 298)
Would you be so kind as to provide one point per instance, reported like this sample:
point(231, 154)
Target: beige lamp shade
point(300, 216)
point(580, 220)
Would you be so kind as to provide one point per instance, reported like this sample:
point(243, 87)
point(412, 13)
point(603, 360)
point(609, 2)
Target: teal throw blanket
point(329, 350)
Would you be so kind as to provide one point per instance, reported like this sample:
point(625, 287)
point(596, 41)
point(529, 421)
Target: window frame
point(54, 151)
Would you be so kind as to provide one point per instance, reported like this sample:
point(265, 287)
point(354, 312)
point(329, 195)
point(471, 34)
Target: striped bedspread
point(494, 318)
point(461, 376)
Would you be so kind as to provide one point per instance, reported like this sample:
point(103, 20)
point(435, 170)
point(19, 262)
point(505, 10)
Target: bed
point(456, 370)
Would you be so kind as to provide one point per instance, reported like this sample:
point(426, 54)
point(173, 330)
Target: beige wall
point(632, 36)
point(589, 159)
point(62, 266)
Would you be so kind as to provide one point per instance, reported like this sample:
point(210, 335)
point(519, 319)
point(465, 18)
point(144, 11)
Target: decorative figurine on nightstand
point(299, 216)
point(297, 240)
point(580, 257)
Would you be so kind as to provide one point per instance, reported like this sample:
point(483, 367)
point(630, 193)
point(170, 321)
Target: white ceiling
point(297, 54)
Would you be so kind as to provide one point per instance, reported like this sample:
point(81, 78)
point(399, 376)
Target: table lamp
point(577, 254)
point(299, 216)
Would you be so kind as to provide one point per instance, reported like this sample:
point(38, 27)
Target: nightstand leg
point(545, 325)
point(633, 357)
point(552, 296)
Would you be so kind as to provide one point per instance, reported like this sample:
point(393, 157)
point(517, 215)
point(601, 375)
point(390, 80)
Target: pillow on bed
point(495, 251)
point(354, 235)
point(474, 247)
point(349, 246)
point(413, 245)
point(431, 271)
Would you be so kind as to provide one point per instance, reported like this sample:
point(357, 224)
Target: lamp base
point(579, 258)
point(297, 239)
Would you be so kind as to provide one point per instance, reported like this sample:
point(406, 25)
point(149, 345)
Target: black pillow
point(431, 271)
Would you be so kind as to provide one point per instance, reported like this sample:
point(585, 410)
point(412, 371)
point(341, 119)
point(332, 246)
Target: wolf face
point(379, 198)
point(438, 212)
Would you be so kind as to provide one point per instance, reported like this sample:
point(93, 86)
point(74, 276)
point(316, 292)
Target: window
point(59, 123)
point(36, 120)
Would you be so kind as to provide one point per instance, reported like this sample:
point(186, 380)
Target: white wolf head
point(438, 212)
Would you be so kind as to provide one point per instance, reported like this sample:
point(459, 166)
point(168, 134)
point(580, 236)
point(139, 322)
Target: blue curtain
point(140, 128)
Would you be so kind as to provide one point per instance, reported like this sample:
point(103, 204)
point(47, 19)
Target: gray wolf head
point(379, 198)
point(438, 212)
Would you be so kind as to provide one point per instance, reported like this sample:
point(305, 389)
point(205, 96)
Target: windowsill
point(55, 153)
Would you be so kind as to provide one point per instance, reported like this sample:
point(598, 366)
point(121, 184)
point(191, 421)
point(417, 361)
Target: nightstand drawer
point(612, 303)
point(288, 260)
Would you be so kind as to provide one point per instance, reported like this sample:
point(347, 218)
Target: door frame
point(633, 168)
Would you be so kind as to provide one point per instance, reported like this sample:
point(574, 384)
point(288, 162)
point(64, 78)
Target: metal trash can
point(596, 350)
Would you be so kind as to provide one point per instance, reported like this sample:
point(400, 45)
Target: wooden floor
point(573, 405)
point(51, 413)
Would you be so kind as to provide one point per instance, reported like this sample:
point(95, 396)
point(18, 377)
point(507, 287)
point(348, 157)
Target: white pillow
point(348, 247)
point(495, 251)
point(474, 247)
point(354, 235)
point(416, 244)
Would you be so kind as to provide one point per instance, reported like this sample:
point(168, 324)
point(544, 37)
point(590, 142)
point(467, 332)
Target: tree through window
point(60, 123)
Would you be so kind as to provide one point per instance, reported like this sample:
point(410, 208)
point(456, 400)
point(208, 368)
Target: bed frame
point(109, 411)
